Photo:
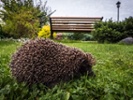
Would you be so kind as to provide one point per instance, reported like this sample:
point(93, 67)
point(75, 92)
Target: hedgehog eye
point(81, 60)
point(85, 62)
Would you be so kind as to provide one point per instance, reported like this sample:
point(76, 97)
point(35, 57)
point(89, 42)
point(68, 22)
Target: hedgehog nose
point(92, 74)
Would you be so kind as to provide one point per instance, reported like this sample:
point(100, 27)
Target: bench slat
point(72, 26)
point(68, 22)
point(74, 30)
point(77, 18)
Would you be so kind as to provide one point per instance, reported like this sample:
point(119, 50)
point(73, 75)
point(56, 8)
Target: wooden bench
point(72, 24)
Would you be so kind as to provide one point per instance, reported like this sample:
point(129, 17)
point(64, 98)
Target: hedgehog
point(48, 62)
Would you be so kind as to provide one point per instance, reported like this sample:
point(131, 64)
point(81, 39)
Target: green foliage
point(76, 36)
point(113, 32)
point(88, 37)
point(79, 36)
point(22, 18)
point(1, 32)
point(113, 81)
point(22, 25)
point(128, 26)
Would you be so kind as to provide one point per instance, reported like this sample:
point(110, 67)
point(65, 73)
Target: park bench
point(72, 24)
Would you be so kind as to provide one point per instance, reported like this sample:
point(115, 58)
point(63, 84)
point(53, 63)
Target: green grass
point(113, 81)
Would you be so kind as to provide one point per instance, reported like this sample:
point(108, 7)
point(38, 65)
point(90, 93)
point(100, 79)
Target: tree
point(23, 18)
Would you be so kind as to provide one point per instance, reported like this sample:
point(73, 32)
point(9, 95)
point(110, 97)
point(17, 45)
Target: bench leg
point(51, 35)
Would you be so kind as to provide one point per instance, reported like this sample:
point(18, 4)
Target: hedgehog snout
point(86, 68)
point(91, 73)
point(90, 62)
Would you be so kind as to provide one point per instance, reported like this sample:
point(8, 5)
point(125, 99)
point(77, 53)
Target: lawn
point(113, 81)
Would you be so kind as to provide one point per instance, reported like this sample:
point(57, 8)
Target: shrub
point(23, 24)
point(23, 18)
point(74, 36)
point(113, 32)
point(87, 37)
point(78, 36)
point(1, 32)
point(106, 34)
point(45, 32)
point(128, 26)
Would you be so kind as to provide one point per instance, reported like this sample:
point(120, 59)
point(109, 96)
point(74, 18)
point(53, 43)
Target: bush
point(23, 18)
point(45, 32)
point(77, 36)
point(80, 36)
point(88, 37)
point(128, 26)
point(23, 24)
point(113, 32)
point(1, 32)
point(106, 34)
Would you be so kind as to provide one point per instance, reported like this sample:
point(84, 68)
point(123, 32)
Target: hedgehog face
point(86, 66)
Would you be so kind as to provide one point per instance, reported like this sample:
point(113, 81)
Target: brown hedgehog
point(47, 62)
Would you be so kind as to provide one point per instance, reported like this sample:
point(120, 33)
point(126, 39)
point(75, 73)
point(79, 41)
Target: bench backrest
point(73, 24)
